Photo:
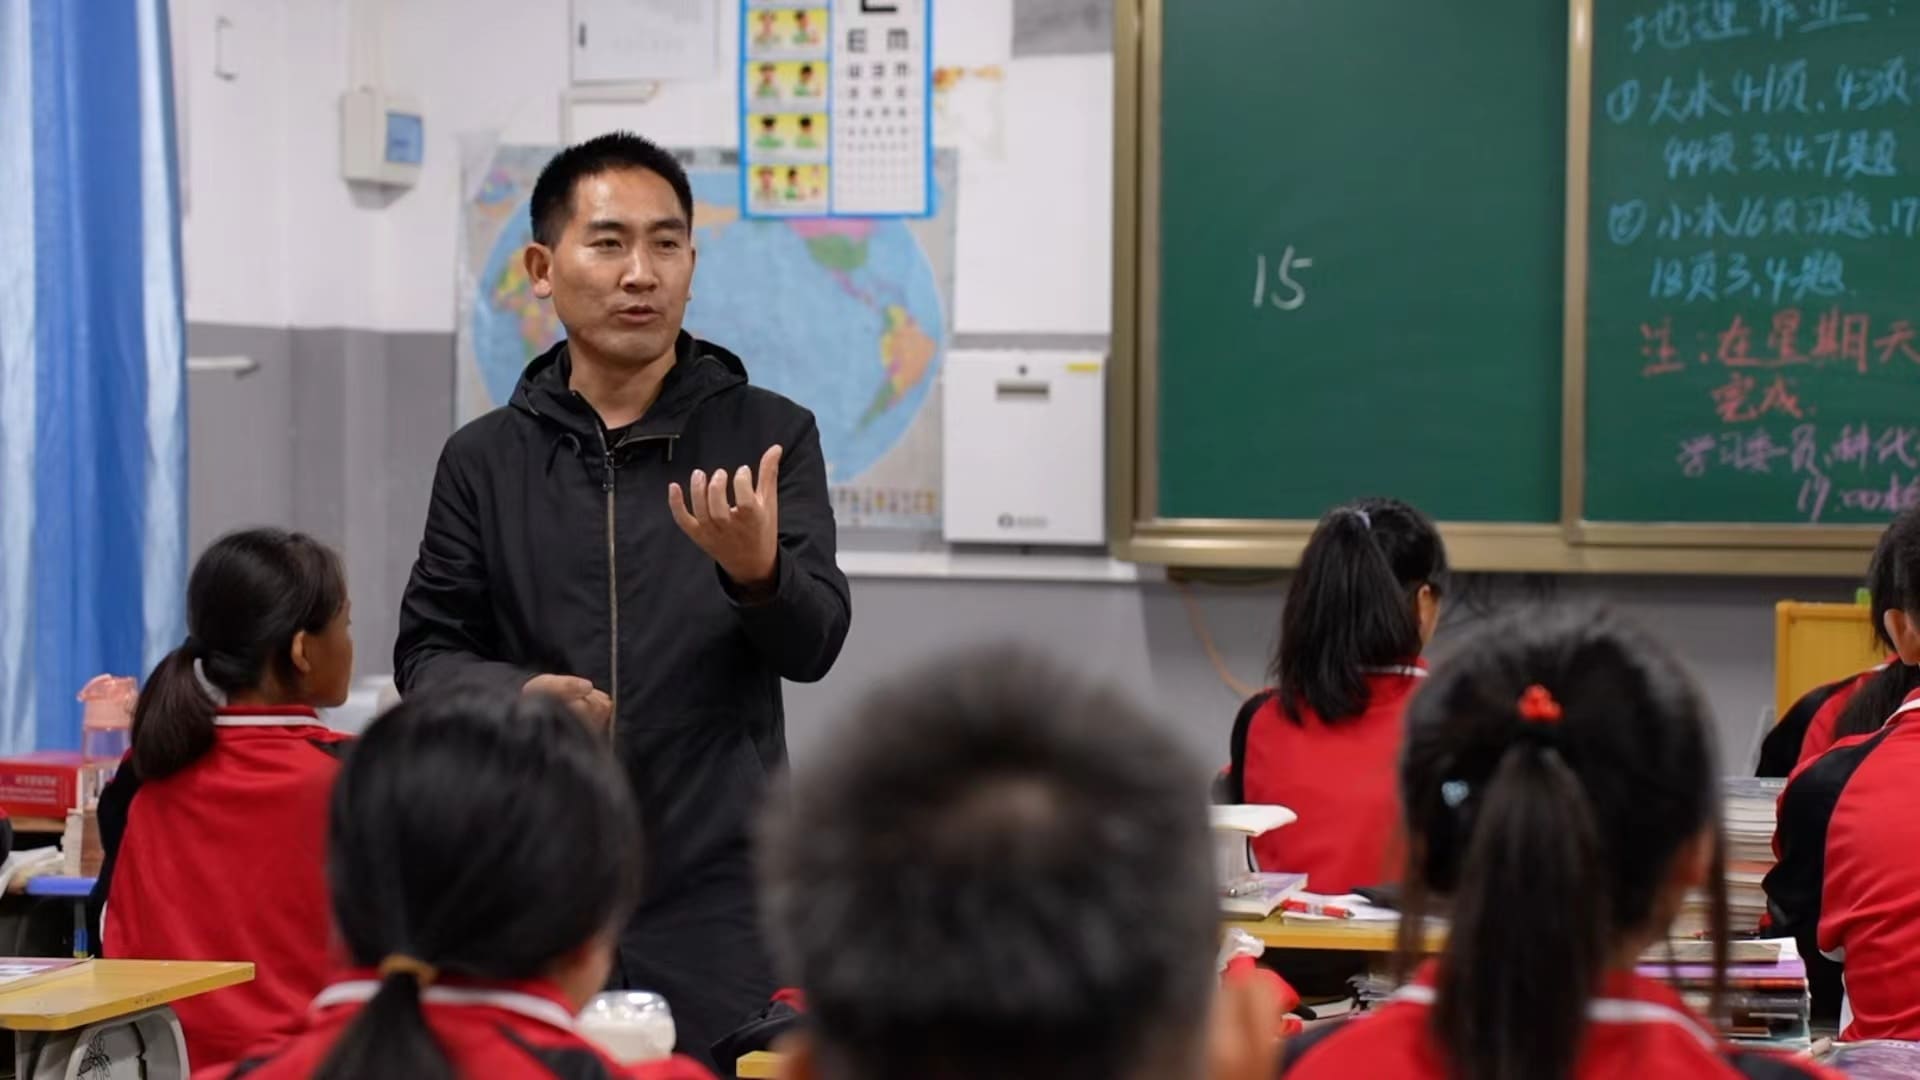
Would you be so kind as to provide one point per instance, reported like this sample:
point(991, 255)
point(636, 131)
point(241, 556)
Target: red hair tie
point(1537, 706)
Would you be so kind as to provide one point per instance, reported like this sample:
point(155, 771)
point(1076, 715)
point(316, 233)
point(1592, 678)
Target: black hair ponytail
point(1350, 605)
point(418, 850)
point(1555, 770)
point(389, 1037)
point(1880, 695)
point(1534, 832)
point(173, 718)
point(250, 593)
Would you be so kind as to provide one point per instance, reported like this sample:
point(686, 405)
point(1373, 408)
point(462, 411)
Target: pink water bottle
point(106, 722)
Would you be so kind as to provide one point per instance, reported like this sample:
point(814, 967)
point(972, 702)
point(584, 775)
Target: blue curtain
point(92, 358)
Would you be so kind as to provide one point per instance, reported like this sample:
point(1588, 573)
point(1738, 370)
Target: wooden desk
point(105, 989)
point(1277, 933)
point(759, 1066)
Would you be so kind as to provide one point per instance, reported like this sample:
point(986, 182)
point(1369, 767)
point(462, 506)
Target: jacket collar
point(533, 998)
point(700, 371)
point(1907, 708)
point(1625, 997)
point(231, 716)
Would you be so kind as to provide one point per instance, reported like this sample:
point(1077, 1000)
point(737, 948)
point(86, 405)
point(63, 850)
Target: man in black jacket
point(645, 535)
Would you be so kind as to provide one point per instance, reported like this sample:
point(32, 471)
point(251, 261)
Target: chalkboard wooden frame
point(1137, 532)
point(1754, 548)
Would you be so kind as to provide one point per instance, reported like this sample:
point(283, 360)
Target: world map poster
point(850, 317)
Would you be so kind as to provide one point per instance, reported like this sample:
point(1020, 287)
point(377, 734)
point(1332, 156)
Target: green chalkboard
point(1753, 263)
point(1360, 257)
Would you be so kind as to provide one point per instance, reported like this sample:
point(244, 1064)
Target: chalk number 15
point(1280, 289)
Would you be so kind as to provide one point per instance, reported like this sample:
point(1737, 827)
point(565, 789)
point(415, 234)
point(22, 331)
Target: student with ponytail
point(1847, 883)
point(1860, 705)
point(1324, 741)
point(215, 827)
point(482, 865)
point(1561, 792)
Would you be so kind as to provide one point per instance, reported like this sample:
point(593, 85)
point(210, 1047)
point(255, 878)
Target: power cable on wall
point(1197, 621)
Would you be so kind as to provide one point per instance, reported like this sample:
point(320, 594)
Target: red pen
point(1303, 907)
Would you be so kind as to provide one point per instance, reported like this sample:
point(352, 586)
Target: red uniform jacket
point(1847, 880)
point(1636, 1028)
point(489, 1031)
point(226, 860)
point(1820, 730)
point(1342, 779)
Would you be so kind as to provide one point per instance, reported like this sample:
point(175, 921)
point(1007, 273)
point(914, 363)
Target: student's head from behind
point(1894, 577)
point(1559, 785)
point(1889, 588)
point(1365, 597)
point(995, 870)
point(613, 248)
point(477, 836)
point(267, 624)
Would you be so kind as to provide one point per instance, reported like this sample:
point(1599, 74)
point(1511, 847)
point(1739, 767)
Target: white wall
point(234, 169)
point(275, 237)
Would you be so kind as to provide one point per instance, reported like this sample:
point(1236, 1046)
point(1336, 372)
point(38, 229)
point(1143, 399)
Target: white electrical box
point(1025, 447)
point(383, 138)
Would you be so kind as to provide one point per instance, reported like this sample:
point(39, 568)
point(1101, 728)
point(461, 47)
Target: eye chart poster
point(835, 108)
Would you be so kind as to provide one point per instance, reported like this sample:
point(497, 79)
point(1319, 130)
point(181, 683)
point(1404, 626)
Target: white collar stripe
point(527, 1005)
point(1409, 670)
point(1601, 1011)
point(268, 720)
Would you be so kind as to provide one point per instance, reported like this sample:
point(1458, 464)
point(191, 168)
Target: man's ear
point(539, 262)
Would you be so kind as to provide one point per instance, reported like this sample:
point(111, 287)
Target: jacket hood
point(701, 370)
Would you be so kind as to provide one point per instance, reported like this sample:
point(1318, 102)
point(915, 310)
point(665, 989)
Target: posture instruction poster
point(835, 108)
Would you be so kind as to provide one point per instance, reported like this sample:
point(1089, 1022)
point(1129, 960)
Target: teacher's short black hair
point(996, 869)
point(552, 203)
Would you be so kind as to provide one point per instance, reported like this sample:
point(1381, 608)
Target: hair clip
point(1366, 519)
point(1537, 706)
point(1454, 792)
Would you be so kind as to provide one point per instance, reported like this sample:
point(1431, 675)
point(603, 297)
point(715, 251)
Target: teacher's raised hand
point(739, 531)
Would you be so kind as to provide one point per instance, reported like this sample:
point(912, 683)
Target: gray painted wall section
point(335, 434)
point(339, 430)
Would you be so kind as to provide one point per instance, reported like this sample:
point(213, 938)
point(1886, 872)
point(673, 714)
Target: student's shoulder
point(569, 1057)
point(332, 745)
point(1824, 775)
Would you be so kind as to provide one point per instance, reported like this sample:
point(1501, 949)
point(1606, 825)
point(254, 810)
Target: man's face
point(620, 273)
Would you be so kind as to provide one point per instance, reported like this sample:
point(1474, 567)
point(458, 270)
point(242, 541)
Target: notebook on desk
point(1257, 895)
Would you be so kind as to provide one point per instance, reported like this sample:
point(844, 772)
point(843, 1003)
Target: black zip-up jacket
point(550, 549)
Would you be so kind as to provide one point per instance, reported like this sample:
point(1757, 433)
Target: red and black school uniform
point(1847, 882)
point(1792, 739)
point(1635, 1027)
point(1341, 778)
point(1821, 729)
point(226, 860)
point(500, 1031)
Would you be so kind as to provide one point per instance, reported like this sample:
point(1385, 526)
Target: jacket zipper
point(613, 577)
point(613, 600)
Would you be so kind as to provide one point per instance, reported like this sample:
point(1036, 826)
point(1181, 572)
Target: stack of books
point(1749, 814)
point(1766, 1000)
point(1747, 809)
